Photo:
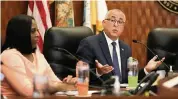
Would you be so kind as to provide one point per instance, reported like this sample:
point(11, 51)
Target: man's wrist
point(147, 70)
point(98, 74)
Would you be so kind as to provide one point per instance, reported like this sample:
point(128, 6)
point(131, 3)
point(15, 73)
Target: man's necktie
point(115, 62)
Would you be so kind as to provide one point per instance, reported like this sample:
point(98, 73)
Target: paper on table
point(122, 85)
point(171, 83)
point(73, 93)
point(126, 85)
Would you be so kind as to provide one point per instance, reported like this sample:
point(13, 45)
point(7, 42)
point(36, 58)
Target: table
point(102, 97)
point(164, 93)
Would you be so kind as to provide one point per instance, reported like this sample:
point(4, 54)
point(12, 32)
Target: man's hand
point(152, 64)
point(103, 69)
point(70, 80)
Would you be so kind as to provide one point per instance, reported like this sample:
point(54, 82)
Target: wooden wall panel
point(142, 16)
point(78, 12)
point(147, 15)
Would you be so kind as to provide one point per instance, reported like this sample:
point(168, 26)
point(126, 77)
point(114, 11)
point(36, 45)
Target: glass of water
point(82, 74)
point(40, 86)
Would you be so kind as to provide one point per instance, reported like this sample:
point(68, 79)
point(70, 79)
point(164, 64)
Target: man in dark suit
point(106, 52)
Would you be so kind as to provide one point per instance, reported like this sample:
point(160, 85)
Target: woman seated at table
point(21, 60)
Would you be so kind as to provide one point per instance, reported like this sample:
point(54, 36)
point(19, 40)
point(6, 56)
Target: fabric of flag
point(40, 11)
point(94, 14)
point(64, 15)
point(101, 13)
point(87, 14)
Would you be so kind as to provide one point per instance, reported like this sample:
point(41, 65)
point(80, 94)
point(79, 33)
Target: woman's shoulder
point(11, 56)
point(10, 52)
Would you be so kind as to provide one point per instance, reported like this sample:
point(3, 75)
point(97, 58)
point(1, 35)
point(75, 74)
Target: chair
point(56, 41)
point(164, 43)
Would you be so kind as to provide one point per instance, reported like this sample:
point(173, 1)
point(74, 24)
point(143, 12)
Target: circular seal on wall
point(171, 6)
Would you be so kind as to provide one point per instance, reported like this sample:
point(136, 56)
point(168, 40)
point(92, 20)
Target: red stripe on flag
point(40, 42)
point(31, 5)
point(42, 13)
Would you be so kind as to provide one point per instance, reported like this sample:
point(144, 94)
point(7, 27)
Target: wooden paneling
point(78, 12)
point(147, 15)
point(142, 16)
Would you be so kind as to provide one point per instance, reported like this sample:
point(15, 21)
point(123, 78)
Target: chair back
point(164, 43)
point(68, 38)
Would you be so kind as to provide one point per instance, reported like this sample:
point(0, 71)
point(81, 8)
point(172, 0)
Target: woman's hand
point(70, 80)
point(152, 64)
point(69, 83)
point(103, 69)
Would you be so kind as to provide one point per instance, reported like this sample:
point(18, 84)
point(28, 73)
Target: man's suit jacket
point(96, 47)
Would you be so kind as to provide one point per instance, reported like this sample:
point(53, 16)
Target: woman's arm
point(14, 70)
point(55, 84)
point(60, 86)
point(21, 84)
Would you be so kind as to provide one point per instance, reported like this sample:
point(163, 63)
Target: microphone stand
point(136, 41)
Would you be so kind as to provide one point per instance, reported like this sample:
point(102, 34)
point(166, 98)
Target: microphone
point(104, 83)
point(139, 42)
point(64, 50)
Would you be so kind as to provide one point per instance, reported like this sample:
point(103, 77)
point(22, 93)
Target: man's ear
point(103, 22)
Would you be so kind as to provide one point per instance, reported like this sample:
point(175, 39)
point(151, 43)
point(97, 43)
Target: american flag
point(39, 10)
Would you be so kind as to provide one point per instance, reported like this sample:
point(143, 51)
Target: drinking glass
point(82, 74)
point(132, 65)
point(40, 86)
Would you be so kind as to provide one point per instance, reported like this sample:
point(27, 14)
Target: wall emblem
point(172, 6)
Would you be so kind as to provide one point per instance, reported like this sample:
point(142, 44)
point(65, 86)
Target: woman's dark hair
point(18, 34)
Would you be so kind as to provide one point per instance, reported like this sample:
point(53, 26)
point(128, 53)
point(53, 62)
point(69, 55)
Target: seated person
point(21, 60)
point(107, 53)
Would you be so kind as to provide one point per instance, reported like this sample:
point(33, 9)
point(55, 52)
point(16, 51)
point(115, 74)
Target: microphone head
point(135, 41)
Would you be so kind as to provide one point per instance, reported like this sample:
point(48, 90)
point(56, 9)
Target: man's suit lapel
point(105, 48)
